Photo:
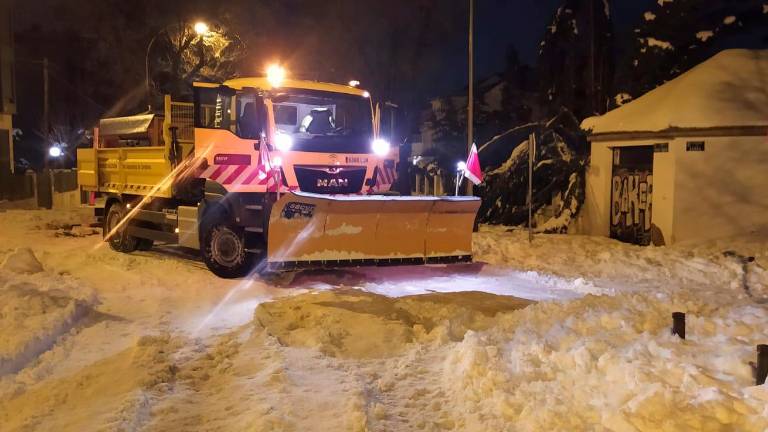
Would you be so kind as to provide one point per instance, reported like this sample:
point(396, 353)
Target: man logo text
point(333, 182)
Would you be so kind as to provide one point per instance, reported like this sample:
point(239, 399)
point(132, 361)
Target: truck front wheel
point(224, 250)
point(115, 231)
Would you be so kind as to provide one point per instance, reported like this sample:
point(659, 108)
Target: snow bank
point(31, 321)
point(598, 259)
point(114, 393)
point(22, 260)
point(611, 362)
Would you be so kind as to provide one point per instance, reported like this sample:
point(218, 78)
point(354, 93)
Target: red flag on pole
point(264, 168)
point(473, 171)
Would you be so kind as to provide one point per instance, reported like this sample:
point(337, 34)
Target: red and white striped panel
point(243, 175)
point(235, 175)
point(386, 176)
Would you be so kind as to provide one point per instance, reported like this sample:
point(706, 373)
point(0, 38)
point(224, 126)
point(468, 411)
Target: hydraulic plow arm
point(309, 230)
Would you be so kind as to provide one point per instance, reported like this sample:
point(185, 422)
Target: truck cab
point(319, 135)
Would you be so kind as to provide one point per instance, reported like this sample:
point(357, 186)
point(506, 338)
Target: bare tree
point(182, 56)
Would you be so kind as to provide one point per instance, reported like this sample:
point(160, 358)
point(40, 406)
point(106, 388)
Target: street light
point(201, 29)
point(275, 75)
point(55, 151)
point(461, 168)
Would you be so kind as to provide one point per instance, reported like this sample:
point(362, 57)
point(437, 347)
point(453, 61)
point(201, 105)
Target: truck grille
point(324, 179)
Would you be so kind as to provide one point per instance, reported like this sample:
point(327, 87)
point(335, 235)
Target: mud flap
point(310, 230)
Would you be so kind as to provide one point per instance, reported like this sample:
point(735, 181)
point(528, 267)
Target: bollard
point(761, 371)
point(678, 324)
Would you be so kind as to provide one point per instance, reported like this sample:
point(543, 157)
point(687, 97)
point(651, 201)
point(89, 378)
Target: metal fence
point(15, 187)
point(43, 186)
point(182, 117)
point(64, 180)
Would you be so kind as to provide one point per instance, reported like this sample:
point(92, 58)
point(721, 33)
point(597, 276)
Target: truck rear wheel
point(115, 233)
point(223, 249)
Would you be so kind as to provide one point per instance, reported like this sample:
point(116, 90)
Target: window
point(251, 114)
point(213, 108)
point(286, 115)
point(326, 122)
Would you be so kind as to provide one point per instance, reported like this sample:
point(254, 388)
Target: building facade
point(688, 161)
point(7, 90)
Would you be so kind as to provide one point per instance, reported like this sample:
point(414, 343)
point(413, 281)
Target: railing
point(426, 183)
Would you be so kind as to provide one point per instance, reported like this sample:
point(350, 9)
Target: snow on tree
point(558, 177)
point(677, 35)
point(575, 65)
point(575, 69)
point(181, 57)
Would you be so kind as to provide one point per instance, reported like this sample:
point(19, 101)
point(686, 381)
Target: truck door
point(229, 127)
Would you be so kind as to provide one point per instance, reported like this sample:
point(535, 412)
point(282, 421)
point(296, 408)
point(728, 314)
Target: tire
point(119, 241)
point(144, 244)
point(223, 247)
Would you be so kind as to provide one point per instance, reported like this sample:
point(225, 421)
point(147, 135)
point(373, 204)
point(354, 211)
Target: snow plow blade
point(317, 231)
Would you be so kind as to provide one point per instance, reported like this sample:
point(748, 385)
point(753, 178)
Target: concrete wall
point(663, 198)
point(716, 193)
point(721, 191)
point(6, 128)
point(595, 215)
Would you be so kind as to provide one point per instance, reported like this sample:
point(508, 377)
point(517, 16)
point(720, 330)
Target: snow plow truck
point(259, 175)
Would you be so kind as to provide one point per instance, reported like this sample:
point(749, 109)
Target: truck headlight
point(283, 141)
point(380, 147)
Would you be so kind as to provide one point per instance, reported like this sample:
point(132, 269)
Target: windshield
point(323, 121)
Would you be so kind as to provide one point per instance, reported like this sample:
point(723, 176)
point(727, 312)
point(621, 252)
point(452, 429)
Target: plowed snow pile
point(358, 324)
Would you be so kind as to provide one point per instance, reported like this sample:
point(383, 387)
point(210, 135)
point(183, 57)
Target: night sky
point(521, 23)
point(498, 24)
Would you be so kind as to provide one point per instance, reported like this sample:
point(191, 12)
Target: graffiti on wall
point(631, 191)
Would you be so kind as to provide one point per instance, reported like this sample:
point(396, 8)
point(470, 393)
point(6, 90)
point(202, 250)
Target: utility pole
point(46, 119)
point(593, 100)
point(529, 197)
point(471, 95)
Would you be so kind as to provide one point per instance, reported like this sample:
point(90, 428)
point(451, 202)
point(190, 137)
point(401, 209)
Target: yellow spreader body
point(312, 230)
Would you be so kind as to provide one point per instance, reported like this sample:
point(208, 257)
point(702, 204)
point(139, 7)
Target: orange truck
point(260, 174)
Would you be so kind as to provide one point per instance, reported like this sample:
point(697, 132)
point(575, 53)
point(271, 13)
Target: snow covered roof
point(728, 90)
point(136, 124)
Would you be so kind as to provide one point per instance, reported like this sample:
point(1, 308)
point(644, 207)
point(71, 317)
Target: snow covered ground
point(568, 333)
